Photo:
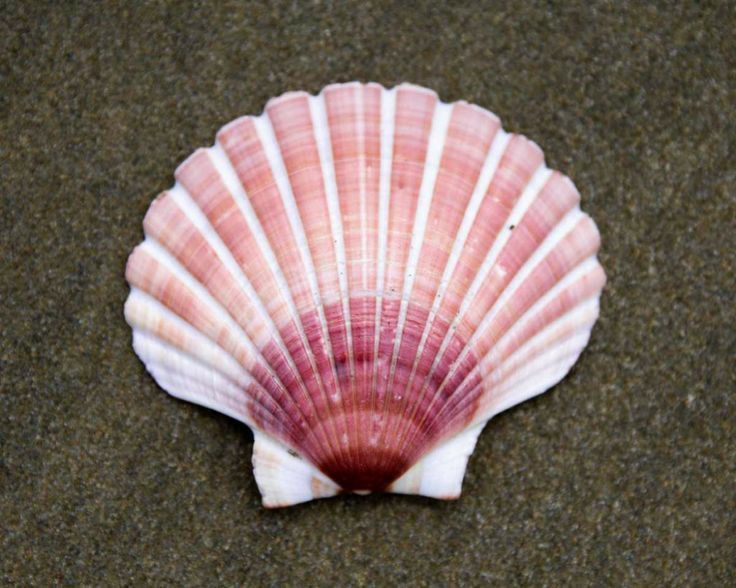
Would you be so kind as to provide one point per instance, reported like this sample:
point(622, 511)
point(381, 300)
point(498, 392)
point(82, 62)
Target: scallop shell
point(364, 277)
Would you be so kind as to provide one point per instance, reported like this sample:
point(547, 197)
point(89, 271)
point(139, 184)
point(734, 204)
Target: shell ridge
point(435, 149)
point(146, 313)
point(547, 379)
point(521, 205)
point(160, 356)
point(237, 190)
point(546, 371)
point(210, 235)
point(362, 190)
point(327, 164)
point(161, 254)
point(415, 118)
point(583, 271)
point(361, 131)
point(441, 119)
point(484, 179)
point(270, 144)
point(388, 126)
point(267, 135)
point(285, 97)
point(189, 380)
point(562, 229)
point(321, 131)
point(178, 387)
point(351, 114)
point(195, 214)
point(488, 172)
point(253, 130)
point(178, 337)
point(290, 94)
point(574, 322)
point(232, 182)
point(578, 319)
point(530, 193)
point(164, 257)
point(565, 228)
point(457, 161)
point(578, 273)
point(203, 385)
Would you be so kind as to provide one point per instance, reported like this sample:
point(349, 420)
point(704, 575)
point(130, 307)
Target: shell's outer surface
point(364, 277)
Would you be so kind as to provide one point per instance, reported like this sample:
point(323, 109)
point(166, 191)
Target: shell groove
point(364, 277)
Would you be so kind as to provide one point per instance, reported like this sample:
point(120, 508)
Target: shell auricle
point(364, 277)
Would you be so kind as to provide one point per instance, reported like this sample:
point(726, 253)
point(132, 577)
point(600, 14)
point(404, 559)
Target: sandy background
point(624, 474)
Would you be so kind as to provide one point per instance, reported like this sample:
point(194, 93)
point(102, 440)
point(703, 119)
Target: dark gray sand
point(623, 473)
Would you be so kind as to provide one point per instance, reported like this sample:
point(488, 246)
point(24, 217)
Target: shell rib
point(364, 277)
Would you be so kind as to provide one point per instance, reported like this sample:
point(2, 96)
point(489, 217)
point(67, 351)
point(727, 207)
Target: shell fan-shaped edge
point(364, 277)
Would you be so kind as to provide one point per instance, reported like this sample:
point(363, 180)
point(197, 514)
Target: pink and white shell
point(364, 277)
